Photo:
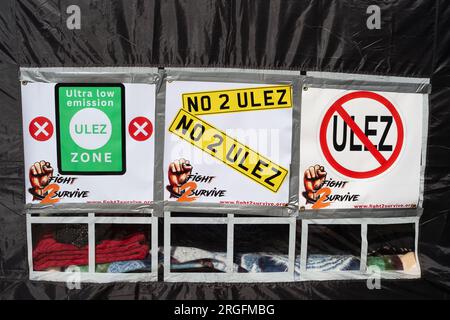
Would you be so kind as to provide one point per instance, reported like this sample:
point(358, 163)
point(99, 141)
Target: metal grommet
point(302, 208)
point(24, 83)
point(305, 88)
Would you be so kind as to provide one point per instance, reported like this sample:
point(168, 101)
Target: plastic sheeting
point(300, 35)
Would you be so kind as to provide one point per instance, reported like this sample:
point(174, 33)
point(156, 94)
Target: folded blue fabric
point(322, 262)
point(263, 262)
point(130, 266)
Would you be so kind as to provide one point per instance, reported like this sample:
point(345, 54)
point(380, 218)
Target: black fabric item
point(334, 240)
point(391, 239)
point(119, 231)
point(72, 234)
point(300, 35)
point(325, 35)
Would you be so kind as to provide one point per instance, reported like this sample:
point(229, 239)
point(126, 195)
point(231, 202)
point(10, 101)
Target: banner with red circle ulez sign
point(338, 108)
point(359, 149)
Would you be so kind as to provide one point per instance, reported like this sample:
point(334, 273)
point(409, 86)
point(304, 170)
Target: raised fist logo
point(313, 180)
point(40, 174)
point(179, 172)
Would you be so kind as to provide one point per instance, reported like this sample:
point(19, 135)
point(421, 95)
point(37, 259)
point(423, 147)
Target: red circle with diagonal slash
point(41, 128)
point(384, 163)
point(140, 128)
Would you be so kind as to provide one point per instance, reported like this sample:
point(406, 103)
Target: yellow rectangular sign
point(238, 100)
point(228, 150)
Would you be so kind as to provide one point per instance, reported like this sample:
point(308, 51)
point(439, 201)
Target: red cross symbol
point(140, 128)
point(41, 129)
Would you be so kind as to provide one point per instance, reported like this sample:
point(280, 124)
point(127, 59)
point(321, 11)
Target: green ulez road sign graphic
point(90, 128)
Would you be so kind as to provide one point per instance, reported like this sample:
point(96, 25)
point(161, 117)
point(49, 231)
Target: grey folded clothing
point(195, 259)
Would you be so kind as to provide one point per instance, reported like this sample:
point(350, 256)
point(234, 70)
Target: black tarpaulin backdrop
point(322, 35)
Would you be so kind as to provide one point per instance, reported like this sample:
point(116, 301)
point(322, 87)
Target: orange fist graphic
point(40, 174)
point(179, 172)
point(313, 180)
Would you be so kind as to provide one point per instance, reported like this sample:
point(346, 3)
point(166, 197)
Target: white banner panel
point(228, 143)
point(88, 142)
point(360, 149)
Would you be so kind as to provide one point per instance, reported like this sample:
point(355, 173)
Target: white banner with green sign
point(89, 142)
